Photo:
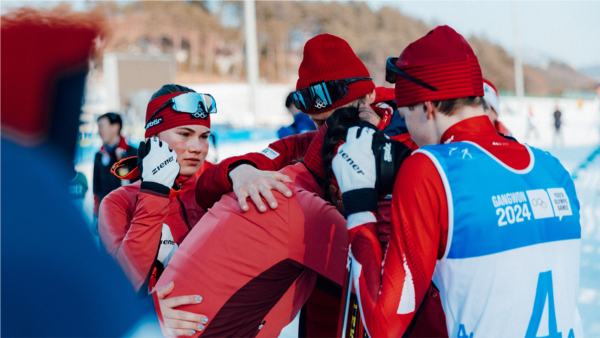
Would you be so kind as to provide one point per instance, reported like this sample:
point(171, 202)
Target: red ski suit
point(130, 224)
point(256, 270)
point(419, 229)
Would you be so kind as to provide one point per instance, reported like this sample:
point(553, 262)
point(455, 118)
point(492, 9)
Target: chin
point(188, 171)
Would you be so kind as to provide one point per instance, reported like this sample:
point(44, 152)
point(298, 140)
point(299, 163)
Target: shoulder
point(124, 195)
point(417, 172)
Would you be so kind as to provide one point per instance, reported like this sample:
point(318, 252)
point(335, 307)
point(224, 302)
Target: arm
point(133, 239)
point(135, 245)
point(215, 181)
point(392, 287)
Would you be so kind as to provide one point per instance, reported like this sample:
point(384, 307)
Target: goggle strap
point(392, 67)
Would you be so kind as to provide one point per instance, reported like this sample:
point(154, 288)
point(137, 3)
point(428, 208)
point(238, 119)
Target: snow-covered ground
point(581, 134)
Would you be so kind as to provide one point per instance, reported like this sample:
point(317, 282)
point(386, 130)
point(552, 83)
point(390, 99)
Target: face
point(366, 113)
point(108, 132)
point(421, 129)
point(191, 145)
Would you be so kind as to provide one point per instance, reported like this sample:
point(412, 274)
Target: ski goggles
point(391, 71)
point(321, 95)
point(197, 104)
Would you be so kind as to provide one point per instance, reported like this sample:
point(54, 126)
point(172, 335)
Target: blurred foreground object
point(54, 281)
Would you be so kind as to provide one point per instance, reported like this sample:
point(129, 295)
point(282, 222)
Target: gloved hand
point(355, 171)
point(157, 165)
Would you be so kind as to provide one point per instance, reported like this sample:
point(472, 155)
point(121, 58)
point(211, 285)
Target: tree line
point(207, 40)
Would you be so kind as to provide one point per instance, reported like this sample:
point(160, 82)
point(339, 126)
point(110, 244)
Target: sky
point(568, 31)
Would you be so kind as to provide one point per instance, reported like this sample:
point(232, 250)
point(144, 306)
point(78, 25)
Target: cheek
point(178, 147)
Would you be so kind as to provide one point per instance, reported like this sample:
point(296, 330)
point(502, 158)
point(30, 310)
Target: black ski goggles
point(199, 105)
point(321, 95)
point(391, 71)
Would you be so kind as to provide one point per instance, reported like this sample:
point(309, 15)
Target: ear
point(428, 109)
point(371, 97)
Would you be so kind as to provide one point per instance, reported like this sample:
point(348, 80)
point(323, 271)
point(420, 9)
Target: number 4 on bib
point(544, 293)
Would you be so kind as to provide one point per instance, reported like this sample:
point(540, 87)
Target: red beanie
point(442, 59)
point(327, 57)
point(168, 118)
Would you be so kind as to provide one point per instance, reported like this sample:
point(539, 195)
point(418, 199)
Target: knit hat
point(168, 118)
point(442, 59)
point(328, 57)
point(491, 95)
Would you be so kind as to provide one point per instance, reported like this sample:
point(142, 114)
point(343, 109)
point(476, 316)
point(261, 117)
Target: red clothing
point(256, 270)
point(215, 182)
point(131, 221)
point(419, 229)
point(502, 129)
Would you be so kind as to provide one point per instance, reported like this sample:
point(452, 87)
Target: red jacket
point(215, 182)
point(256, 270)
point(131, 222)
point(419, 230)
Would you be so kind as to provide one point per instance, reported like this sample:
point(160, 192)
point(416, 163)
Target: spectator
point(302, 122)
point(114, 148)
point(557, 123)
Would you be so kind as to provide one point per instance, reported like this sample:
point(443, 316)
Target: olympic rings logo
point(538, 202)
point(320, 104)
point(199, 115)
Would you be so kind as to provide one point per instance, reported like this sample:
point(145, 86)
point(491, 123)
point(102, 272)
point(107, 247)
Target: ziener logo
point(351, 163)
point(162, 165)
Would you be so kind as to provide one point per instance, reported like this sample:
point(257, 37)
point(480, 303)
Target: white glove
point(160, 166)
point(355, 171)
point(354, 164)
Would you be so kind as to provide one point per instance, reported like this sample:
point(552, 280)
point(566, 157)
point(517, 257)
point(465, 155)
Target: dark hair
point(171, 89)
point(448, 107)
point(338, 124)
point(112, 119)
point(289, 101)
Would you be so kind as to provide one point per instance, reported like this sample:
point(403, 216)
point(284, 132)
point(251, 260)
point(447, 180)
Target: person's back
point(256, 270)
point(531, 213)
point(493, 222)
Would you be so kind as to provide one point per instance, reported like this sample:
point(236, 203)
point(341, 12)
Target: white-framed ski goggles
point(196, 104)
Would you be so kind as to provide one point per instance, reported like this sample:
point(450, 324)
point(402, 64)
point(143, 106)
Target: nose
point(195, 145)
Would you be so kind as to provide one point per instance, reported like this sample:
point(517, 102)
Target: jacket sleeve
point(391, 287)
point(214, 182)
point(133, 240)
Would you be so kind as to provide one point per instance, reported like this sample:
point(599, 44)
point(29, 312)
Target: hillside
point(208, 41)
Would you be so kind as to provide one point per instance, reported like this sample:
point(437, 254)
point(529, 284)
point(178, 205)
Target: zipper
point(259, 328)
point(184, 213)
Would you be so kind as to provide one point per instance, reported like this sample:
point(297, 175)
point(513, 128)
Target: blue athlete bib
point(513, 240)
